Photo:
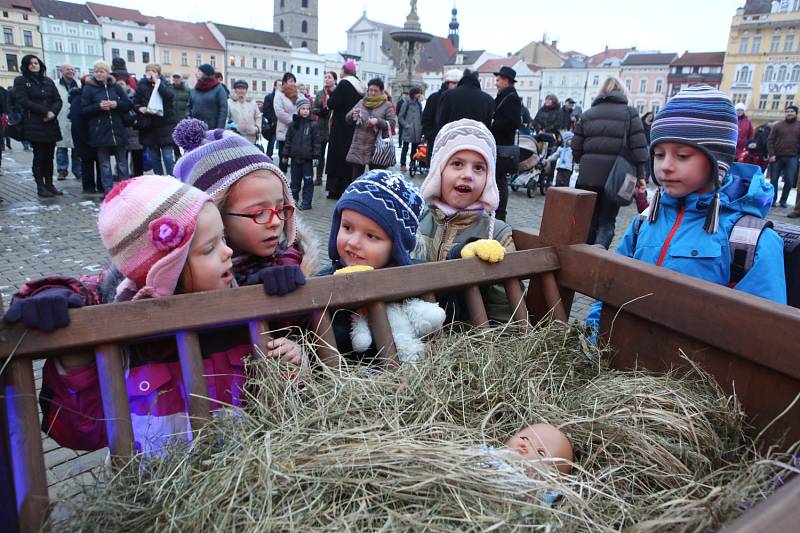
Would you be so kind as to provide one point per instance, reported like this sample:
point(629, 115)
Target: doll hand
point(285, 348)
point(281, 280)
point(487, 250)
point(353, 269)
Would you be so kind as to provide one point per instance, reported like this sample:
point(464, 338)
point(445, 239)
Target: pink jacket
point(746, 133)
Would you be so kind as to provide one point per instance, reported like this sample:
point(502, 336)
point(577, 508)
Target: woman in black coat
point(157, 133)
point(599, 139)
point(37, 97)
point(345, 96)
point(104, 105)
point(90, 165)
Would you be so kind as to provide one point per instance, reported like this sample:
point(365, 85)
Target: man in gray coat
point(410, 120)
point(65, 146)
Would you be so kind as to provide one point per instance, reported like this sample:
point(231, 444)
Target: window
point(56, 28)
point(304, 44)
point(114, 53)
point(596, 81)
point(113, 35)
point(658, 86)
point(263, 64)
point(782, 73)
point(232, 61)
point(146, 39)
point(24, 16)
point(756, 45)
point(655, 106)
point(628, 84)
point(643, 87)
point(304, 4)
point(789, 100)
point(282, 3)
point(5, 14)
point(363, 47)
point(263, 85)
point(11, 63)
point(145, 57)
point(563, 81)
point(788, 44)
point(165, 58)
point(88, 33)
point(299, 69)
point(284, 66)
point(8, 35)
point(27, 37)
point(74, 47)
point(275, 65)
point(129, 36)
point(795, 73)
point(640, 106)
point(308, 70)
point(241, 61)
point(282, 28)
point(316, 71)
point(743, 75)
point(304, 27)
point(255, 85)
point(775, 45)
point(58, 45)
point(255, 62)
point(762, 103)
point(198, 60)
point(131, 56)
point(213, 61)
point(184, 59)
point(72, 30)
point(776, 102)
point(743, 45)
point(90, 49)
point(769, 72)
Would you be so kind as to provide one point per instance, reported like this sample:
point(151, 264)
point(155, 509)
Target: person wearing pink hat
point(164, 237)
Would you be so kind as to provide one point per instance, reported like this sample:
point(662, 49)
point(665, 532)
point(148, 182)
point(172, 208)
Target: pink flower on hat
point(166, 233)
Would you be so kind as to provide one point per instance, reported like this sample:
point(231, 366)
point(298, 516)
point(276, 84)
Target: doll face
point(543, 442)
point(209, 265)
point(361, 241)
point(464, 178)
point(252, 193)
point(682, 169)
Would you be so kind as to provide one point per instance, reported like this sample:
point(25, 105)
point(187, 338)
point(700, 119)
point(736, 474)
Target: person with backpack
point(703, 194)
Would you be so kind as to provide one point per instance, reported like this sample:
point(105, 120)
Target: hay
point(395, 451)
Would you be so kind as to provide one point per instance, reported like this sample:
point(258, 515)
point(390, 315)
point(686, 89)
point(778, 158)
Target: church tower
point(297, 21)
point(453, 33)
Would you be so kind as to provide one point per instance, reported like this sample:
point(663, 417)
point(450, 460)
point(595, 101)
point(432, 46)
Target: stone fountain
point(411, 39)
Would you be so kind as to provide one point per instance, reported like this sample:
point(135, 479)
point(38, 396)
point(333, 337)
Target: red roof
point(181, 33)
point(493, 65)
point(608, 53)
point(534, 67)
point(117, 13)
point(697, 59)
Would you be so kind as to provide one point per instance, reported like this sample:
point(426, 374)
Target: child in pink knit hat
point(165, 238)
point(257, 207)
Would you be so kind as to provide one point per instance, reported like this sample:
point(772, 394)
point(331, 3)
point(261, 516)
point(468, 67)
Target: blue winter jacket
point(697, 253)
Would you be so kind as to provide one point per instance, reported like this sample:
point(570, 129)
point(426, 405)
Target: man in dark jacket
point(783, 145)
point(180, 102)
point(548, 118)
point(566, 118)
point(429, 129)
point(467, 100)
point(506, 120)
point(156, 133)
point(269, 120)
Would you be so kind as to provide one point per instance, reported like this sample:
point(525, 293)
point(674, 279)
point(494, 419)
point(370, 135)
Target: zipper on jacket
point(671, 234)
point(444, 239)
point(111, 119)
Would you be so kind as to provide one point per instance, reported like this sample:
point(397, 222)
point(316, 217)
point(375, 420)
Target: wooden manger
point(651, 315)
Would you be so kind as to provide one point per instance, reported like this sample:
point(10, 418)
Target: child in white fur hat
point(462, 196)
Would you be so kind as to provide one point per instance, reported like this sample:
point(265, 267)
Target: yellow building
point(762, 62)
point(181, 47)
point(21, 36)
point(544, 54)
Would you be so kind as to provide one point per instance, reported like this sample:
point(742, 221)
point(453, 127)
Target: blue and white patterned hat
point(392, 202)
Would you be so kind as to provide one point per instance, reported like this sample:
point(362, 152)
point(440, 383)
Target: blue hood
point(745, 190)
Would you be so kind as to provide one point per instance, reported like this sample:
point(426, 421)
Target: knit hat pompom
point(464, 134)
point(301, 101)
point(189, 133)
point(390, 201)
point(147, 224)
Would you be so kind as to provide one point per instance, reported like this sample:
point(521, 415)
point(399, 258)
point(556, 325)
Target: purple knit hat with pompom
point(215, 160)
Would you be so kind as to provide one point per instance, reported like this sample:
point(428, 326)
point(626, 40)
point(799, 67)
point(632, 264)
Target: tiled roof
point(117, 13)
point(20, 4)
point(180, 33)
point(608, 53)
point(753, 7)
point(691, 59)
point(493, 65)
point(648, 59)
point(64, 11)
point(534, 67)
point(471, 56)
point(247, 35)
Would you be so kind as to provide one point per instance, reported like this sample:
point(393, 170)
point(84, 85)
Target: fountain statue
point(411, 39)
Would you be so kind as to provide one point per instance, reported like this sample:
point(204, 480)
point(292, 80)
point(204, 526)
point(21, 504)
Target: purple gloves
point(47, 310)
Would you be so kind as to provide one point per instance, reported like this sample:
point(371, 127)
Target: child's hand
point(47, 311)
point(285, 348)
point(280, 280)
point(641, 186)
point(488, 250)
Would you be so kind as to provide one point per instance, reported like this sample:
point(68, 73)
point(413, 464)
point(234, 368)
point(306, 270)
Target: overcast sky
point(499, 26)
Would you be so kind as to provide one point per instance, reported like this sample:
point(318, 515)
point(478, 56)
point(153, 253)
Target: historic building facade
point(297, 21)
point(21, 36)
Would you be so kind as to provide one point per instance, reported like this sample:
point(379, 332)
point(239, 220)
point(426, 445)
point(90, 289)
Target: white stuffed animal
point(410, 320)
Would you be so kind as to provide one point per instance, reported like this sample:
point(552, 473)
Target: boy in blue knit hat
point(374, 225)
point(702, 194)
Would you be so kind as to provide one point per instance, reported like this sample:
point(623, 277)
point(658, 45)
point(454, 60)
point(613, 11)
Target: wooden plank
point(639, 343)
point(122, 321)
point(194, 379)
point(715, 315)
point(516, 299)
point(552, 296)
point(327, 350)
point(779, 512)
point(25, 443)
point(259, 335)
point(116, 407)
point(477, 311)
point(382, 334)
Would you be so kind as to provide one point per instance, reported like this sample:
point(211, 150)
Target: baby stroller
point(419, 161)
point(548, 144)
point(526, 175)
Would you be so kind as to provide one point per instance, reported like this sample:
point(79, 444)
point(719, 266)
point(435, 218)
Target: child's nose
point(227, 251)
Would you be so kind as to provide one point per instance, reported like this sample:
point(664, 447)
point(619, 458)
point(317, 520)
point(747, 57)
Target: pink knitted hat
point(464, 134)
point(147, 224)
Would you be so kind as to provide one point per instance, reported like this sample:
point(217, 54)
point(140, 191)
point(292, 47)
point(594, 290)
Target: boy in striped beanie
point(702, 194)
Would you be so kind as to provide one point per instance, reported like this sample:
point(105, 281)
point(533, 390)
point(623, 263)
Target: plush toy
point(410, 320)
point(488, 250)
